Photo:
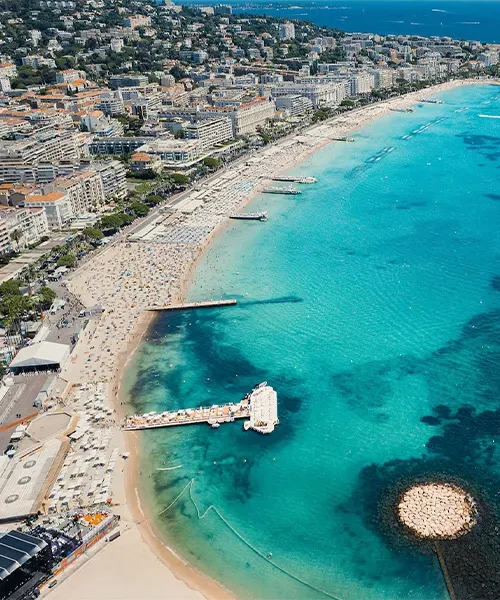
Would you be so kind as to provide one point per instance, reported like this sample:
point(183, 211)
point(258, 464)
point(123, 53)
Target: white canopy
point(41, 355)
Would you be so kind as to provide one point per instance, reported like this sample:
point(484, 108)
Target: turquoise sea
point(366, 302)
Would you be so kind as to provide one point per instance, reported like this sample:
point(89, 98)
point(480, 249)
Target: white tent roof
point(40, 354)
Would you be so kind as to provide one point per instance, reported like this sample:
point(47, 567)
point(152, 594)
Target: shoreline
point(128, 484)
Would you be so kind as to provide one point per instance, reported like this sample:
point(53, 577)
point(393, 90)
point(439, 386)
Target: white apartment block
point(113, 176)
point(57, 208)
point(111, 103)
point(83, 189)
point(294, 105)
point(70, 75)
point(8, 69)
point(5, 240)
point(178, 153)
point(34, 173)
point(38, 61)
point(210, 131)
point(287, 31)
point(31, 222)
point(116, 44)
point(320, 94)
point(136, 21)
point(46, 146)
point(488, 59)
point(361, 83)
point(383, 78)
point(247, 117)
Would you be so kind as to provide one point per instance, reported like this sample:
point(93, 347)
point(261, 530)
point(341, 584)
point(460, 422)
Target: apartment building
point(35, 62)
point(116, 145)
point(5, 240)
point(57, 208)
point(383, 78)
point(70, 75)
point(8, 69)
point(30, 222)
point(287, 31)
point(209, 131)
point(320, 94)
point(141, 161)
point(44, 146)
point(113, 176)
point(130, 80)
point(175, 153)
point(294, 105)
point(136, 21)
point(34, 173)
point(83, 189)
point(361, 83)
point(248, 116)
point(111, 103)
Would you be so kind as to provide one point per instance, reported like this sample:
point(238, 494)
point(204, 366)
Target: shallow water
point(365, 302)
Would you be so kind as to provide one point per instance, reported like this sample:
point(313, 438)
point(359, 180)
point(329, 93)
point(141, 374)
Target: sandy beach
point(127, 279)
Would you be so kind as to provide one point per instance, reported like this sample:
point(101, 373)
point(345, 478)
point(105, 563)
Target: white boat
point(215, 425)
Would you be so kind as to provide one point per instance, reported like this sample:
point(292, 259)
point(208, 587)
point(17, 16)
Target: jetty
point(259, 407)
point(194, 305)
point(290, 179)
point(282, 190)
point(257, 216)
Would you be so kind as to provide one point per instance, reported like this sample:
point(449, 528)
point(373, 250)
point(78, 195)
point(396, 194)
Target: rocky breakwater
point(437, 510)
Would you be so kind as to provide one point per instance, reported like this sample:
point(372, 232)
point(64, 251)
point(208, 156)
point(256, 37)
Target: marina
point(282, 190)
point(260, 407)
point(257, 216)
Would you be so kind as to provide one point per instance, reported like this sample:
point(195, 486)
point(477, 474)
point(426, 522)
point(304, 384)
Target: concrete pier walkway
point(194, 305)
point(260, 407)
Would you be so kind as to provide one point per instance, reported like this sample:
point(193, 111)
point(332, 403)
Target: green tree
point(154, 199)
point(125, 219)
point(67, 260)
point(211, 163)
point(46, 296)
point(93, 233)
point(12, 287)
point(111, 222)
point(179, 179)
point(139, 209)
point(14, 307)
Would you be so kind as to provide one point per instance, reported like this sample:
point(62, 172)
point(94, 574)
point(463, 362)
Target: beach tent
point(40, 357)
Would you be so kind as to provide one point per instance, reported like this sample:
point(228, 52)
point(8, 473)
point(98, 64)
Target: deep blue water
point(478, 20)
point(366, 302)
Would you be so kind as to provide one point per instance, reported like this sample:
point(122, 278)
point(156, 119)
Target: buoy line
point(189, 486)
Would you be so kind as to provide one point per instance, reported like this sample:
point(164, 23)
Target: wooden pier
point(260, 407)
point(194, 305)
